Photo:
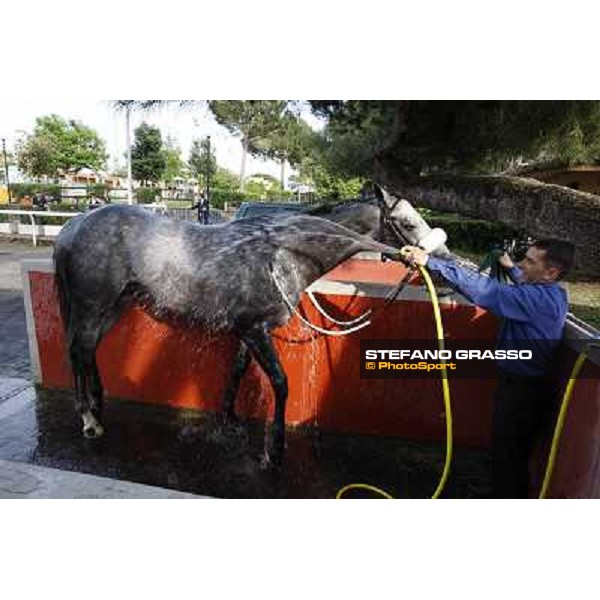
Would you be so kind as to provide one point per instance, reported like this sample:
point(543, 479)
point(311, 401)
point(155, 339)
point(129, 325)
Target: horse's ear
point(380, 193)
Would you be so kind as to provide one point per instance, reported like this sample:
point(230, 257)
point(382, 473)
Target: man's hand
point(506, 261)
point(414, 256)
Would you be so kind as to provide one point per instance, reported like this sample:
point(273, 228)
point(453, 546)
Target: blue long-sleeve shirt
point(534, 313)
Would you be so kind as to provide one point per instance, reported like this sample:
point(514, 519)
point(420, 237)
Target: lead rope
point(328, 316)
point(390, 298)
point(295, 311)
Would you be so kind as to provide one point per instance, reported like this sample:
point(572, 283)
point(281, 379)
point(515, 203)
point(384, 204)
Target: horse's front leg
point(240, 366)
point(261, 347)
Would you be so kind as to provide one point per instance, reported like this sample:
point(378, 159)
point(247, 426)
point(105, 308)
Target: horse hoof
point(92, 433)
point(265, 463)
point(270, 462)
point(91, 427)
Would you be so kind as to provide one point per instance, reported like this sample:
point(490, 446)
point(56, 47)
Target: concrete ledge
point(21, 480)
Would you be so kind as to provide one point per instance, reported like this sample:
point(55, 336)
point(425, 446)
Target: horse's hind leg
point(240, 366)
point(95, 390)
point(261, 347)
point(83, 362)
point(90, 393)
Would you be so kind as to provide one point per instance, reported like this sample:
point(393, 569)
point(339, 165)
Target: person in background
point(203, 209)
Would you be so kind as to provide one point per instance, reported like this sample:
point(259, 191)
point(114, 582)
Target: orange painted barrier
point(148, 361)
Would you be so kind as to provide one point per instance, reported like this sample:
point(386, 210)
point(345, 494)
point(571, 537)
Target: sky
point(183, 124)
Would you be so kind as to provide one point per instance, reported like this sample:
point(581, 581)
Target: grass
point(584, 300)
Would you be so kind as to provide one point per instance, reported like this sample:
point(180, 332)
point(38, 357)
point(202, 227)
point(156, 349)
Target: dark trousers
point(521, 407)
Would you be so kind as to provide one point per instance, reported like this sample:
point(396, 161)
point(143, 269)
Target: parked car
point(256, 209)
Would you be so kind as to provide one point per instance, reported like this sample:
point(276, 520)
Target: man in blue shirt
point(534, 312)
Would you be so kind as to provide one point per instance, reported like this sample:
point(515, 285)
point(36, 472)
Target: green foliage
point(252, 120)
point(328, 185)
point(218, 197)
point(459, 137)
point(224, 188)
point(202, 162)
point(147, 195)
point(262, 187)
point(173, 161)
point(291, 139)
point(36, 158)
point(268, 179)
point(184, 203)
point(20, 190)
point(589, 314)
point(25, 220)
point(68, 207)
point(147, 159)
point(225, 180)
point(472, 235)
point(99, 190)
point(58, 145)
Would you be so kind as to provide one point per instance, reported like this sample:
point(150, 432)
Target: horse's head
point(402, 225)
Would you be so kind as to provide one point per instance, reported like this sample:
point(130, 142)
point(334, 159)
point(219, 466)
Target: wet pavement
point(14, 349)
point(187, 451)
point(192, 452)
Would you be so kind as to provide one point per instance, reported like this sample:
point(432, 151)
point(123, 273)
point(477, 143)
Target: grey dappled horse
point(385, 218)
point(218, 277)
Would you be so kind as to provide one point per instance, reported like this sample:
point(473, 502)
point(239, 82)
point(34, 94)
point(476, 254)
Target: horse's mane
point(326, 208)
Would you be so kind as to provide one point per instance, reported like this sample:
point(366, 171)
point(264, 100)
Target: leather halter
point(385, 218)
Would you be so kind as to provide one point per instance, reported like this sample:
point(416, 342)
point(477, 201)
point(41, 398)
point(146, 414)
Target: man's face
point(535, 269)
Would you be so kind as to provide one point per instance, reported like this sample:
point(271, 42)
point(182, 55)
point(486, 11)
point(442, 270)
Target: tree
point(262, 186)
point(252, 120)
point(469, 156)
point(58, 145)
point(328, 185)
point(291, 142)
point(36, 158)
point(202, 161)
point(462, 137)
point(173, 162)
point(117, 168)
point(147, 159)
point(224, 188)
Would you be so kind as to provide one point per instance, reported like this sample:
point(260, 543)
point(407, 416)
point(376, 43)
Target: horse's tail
point(62, 286)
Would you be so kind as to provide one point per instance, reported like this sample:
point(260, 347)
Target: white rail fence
point(35, 228)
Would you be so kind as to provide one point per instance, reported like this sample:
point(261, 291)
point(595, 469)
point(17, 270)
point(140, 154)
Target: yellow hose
point(560, 422)
point(445, 385)
point(446, 389)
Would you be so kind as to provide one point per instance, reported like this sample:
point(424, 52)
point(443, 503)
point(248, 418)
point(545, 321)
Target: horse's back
point(93, 251)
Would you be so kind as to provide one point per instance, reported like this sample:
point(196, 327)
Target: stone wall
point(541, 210)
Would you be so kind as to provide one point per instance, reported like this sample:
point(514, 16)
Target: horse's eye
point(408, 226)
